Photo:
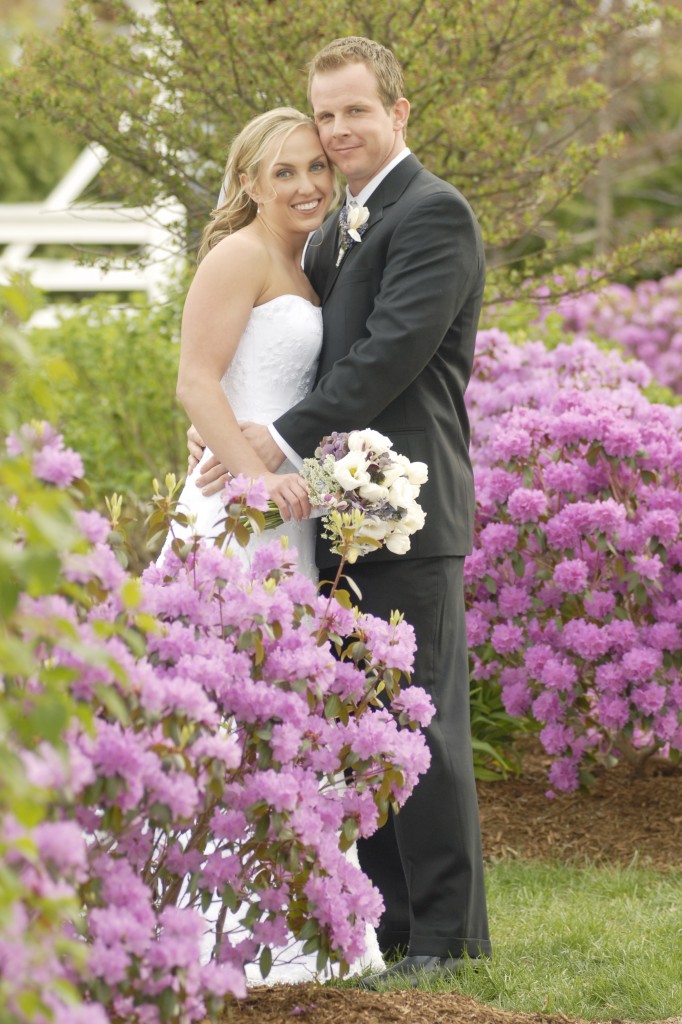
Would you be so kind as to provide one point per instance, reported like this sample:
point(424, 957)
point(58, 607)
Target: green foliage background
point(105, 378)
point(502, 95)
point(34, 155)
point(33, 158)
point(31, 714)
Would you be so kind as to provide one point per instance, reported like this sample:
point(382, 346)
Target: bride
point(252, 333)
point(252, 324)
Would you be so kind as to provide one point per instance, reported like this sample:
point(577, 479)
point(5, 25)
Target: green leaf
point(9, 595)
point(353, 586)
point(344, 598)
point(350, 829)
point(333, 706)
point(167, 1003)
point(265, 961)
point(113, 702)
point(262, 827)
point(322, 957)
point(519, 564)
point(309, 930)
point(48, 719)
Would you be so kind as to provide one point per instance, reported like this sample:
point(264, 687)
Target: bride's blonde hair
point(245, 158)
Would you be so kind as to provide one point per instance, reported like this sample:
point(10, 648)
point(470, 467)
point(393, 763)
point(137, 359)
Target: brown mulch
point(312, 1004)
point(622, 820)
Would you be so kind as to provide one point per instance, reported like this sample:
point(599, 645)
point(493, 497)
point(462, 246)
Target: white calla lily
point(356, 216)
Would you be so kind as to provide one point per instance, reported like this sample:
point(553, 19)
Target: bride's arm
point(227, 285)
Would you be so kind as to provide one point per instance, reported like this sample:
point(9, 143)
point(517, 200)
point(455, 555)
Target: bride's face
point(295, 187)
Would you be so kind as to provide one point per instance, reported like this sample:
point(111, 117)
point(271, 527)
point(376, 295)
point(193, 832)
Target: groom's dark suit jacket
point(400, 317)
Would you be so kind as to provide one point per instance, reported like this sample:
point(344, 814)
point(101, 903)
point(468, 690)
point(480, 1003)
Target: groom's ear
point(400, 114)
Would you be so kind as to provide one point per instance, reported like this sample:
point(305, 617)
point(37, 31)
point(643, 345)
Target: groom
point(400, 310)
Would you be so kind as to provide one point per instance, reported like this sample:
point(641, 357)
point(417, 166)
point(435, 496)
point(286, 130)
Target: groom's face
point(357, 132)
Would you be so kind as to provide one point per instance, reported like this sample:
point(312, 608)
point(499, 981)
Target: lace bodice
point(276, 360)
point(273, 368)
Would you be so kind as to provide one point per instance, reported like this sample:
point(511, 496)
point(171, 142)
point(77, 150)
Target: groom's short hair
point(358, 50)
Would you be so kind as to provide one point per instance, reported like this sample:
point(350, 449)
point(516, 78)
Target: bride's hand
point(290, 495)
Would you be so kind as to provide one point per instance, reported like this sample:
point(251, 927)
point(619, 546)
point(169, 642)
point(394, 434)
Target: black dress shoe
point(413, 969)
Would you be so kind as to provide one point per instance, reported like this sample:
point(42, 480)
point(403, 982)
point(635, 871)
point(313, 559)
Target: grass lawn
point(592, 942)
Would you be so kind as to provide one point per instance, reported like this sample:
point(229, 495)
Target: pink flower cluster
point(575, 582)
point(646, 320)
point(52, 462)
point(237, 749)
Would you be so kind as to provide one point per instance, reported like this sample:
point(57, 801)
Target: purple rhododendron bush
point(646, 320)
point(575, 583)
point(219, 746)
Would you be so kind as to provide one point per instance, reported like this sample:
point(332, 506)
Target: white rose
point(398, 543)
point(392, 473)
point(414, 520)
point(373, 492)
point(359, 439)
point(417, 473)
point(351, 471)
point(401, 493)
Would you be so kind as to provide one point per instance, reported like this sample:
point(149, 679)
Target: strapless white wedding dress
point(273, 369)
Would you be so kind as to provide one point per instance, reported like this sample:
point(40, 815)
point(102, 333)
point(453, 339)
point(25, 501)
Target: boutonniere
point(352, 225)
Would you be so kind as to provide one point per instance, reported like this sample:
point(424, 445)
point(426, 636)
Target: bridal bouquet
point(367, 493)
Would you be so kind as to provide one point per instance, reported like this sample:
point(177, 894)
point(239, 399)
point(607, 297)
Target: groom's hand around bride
point(287, 490)
point(213, 474)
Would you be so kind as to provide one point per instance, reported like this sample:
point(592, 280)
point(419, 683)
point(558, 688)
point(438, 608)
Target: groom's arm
point(435, 263)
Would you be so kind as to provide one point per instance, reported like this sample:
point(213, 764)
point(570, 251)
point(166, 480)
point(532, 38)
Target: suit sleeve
point(434, 262)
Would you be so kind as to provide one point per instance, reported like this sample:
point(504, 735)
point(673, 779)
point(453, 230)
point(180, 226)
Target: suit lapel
point(387, 193)
point(375, 215)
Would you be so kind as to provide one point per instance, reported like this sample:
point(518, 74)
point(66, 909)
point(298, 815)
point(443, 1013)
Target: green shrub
point(105, 377)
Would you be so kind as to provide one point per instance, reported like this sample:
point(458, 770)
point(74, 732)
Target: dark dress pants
point(426, 861)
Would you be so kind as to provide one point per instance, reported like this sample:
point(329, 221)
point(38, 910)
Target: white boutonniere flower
point(352, 225)
point(356, 220)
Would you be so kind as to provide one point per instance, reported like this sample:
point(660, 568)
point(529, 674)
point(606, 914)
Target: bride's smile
point(295, 188)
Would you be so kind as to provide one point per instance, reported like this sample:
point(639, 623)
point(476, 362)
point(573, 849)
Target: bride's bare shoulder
point(241, 245)
point(242, 255)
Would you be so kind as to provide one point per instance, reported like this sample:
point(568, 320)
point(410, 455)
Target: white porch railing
point(155, 232)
